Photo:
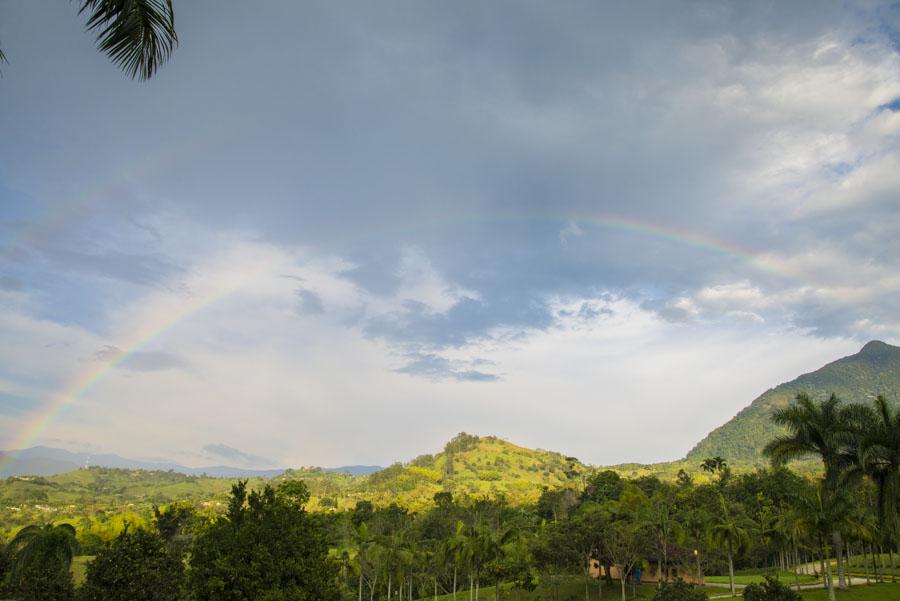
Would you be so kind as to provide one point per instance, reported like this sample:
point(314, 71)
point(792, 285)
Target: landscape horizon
point(877, 358)
point(450, 301)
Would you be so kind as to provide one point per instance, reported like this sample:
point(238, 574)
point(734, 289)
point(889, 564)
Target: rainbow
point(668, 233)
point(84, 382)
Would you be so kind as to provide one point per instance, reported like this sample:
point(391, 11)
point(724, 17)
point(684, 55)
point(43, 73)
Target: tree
point(40, 560)
point(716, 465)
point(622, 544)
point(454, 550)
point(731, 528)
point(878, 456)
point(603, 486)
point(824, 429)
point(823, 510)
point(659, 516)
point(137, 35)
point(265, 548)
point(365, 542)
point(136, 566)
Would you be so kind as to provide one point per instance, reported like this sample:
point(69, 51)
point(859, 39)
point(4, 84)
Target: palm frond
point(137, 35)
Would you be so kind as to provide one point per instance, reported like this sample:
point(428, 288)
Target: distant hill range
point(475, 466)
point(47, 461)
point(861, 377)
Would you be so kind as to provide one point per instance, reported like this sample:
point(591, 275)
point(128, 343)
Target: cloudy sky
point(332, 233)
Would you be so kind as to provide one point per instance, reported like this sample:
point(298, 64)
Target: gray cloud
point(228, 453)
point(146, 270)
point(437, 368)
point(146, 361)
point(309, 302)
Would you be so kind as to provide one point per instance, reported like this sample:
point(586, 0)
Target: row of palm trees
point(854, 442)
point(393, 563)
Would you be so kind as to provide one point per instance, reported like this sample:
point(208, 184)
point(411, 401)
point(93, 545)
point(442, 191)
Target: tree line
point(605, 533)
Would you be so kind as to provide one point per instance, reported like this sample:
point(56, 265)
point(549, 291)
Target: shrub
point(770, 590)
point(679, 591)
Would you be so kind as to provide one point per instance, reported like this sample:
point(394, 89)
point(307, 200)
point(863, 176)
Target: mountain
point(468, 466)
point(49, 461)
point(874, 370)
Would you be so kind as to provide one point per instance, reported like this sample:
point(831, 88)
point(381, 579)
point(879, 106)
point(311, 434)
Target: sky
point(338, 233)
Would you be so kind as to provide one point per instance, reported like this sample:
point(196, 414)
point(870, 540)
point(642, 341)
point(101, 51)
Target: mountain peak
point(877, 348)
point(859, 378)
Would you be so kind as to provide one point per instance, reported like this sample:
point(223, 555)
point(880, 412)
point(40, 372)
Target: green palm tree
point(41, 557)
point(825, 429)
point(137, 35)
point(878, 457)
point(493, 550)
point(455, 549)
point(822, 511)
point(731, 529)
point(364, 542)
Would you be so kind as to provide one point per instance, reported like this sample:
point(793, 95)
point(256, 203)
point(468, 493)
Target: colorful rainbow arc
point(82, 383)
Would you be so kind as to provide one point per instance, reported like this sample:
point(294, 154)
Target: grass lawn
point(873, 592)
point(571, 588)
point(752, 576)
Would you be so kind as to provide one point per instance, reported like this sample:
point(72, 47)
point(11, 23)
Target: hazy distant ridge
point(47, 461)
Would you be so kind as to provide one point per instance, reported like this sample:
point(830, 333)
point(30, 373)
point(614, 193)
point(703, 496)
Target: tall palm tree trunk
point(839, 552)
point(454, 581)
point(731, 568)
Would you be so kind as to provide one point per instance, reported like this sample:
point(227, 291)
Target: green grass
point(873, 592)
point(571, 588)
point(858, 566)
point(79, 568)
point(758, 575)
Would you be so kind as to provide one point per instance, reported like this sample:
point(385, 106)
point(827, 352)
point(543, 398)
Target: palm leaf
point(137, 35)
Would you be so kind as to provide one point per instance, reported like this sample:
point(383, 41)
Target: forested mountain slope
point(861, 377)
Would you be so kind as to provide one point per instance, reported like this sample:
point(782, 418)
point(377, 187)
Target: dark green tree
point(824, 429)
point(877, 455)
point(266, 548)
point(40, 558)
point(136, 566)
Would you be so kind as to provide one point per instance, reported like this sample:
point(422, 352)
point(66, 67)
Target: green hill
point(861, 377)
point(468, 466)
